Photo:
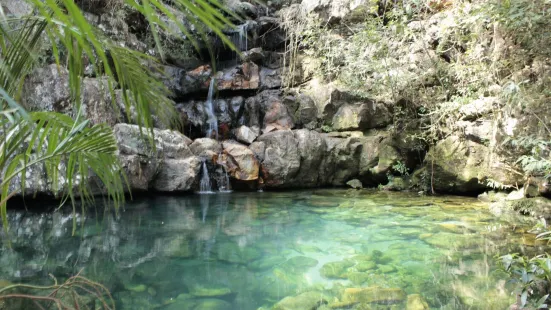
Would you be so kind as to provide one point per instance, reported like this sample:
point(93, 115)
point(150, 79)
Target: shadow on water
point(250, 250)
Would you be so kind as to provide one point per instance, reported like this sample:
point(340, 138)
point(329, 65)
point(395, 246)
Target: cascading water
point(212, 121)
point(240, 40)
point(225, 186)
point(205, 187)
point(243, 41)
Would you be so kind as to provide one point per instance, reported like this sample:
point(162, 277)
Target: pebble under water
point(318, 249)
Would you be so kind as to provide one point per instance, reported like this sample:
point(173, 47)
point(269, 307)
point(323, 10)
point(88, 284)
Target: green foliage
point(401, 168)
point(531, 278)
point(70, 151)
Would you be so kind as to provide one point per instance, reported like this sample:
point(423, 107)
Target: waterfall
point(225, 186)
point(205, 187)
point(240, 40)
point(211, 116)
point(243, 41)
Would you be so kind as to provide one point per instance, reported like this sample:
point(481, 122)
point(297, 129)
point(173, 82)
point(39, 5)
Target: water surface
point(251, 250)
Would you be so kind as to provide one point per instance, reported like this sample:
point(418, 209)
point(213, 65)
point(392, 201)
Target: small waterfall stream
point(205, 186)
point(212, 121)
point(225, 186)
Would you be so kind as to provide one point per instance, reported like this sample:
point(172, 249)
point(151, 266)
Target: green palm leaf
point(71, 152)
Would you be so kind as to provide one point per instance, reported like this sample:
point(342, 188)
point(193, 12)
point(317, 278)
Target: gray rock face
point(270, 78)
point(479, 131)
point(16, 7)
point(334, 10)
point(267, 111)
point(311, 148)
point(478, 107)
point(177, 175)
point(306, 114)
point(341, 162)
point(47, 89)
point(140, 170)
point(168, 143)
point(464, 166)
point(362, 116)
point(281, 160)
point(171, 167)
point(206, 148)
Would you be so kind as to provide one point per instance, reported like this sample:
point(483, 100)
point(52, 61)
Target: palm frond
point(70, 153)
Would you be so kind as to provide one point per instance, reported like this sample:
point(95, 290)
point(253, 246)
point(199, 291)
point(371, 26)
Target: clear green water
point(251, 250)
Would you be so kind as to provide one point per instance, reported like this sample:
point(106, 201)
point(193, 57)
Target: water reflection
point(245, 251)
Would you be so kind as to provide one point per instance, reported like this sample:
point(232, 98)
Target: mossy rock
point(308, 300)
point(386, 268)
point(375, 294)
point(231, 252)
point(213, 304)
point(358, 278)
point(453, 228)
point(336, 270)
point(266, 263)
point(417, 302)
point(365, 265)
point(138, 288)
point(451, 241)
point(210, 291)
point(299, 264)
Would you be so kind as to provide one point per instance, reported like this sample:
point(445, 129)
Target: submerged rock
point(299, 264)
point(336, 270)
point(213, 304)
point(416, 302)
point(374, 294)
point(308, 300)
point(210, 291)
point(231, 252)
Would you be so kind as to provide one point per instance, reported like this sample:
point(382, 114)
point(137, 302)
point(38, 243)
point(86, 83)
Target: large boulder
point(311, 148)
point(140, 170)
point(168, 143)
point(206, 148)
point(245, 134)
point(342, 160)
point(245, 76)
point(239, 161)
point(306, 113)
point(307, 300)
point(281, 160)
point(361, 116)
point(177, 175)
point(464, 166)
point(335, 10)
point(268, 111)
point(270, 78)
point(170, 166)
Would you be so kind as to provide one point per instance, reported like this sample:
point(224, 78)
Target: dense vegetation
point(431, 58)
